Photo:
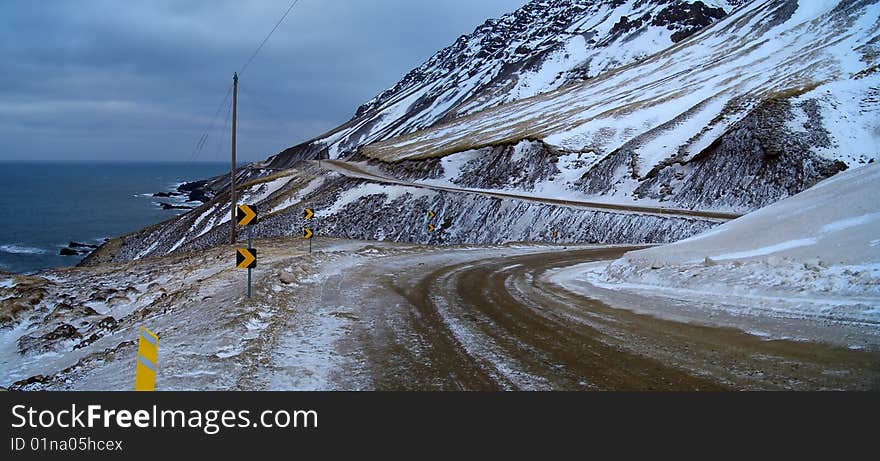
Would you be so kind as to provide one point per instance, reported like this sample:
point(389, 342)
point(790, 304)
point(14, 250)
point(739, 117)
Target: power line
point(257, 51)
point(256, 103)
point(203, 139)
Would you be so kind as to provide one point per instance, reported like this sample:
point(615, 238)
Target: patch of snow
point(811, 256)
point(763, 251)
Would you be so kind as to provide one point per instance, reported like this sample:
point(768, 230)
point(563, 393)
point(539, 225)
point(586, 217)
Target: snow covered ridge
point(671, 107)
point(540, 47)
point(814, 255)
point(359, 209)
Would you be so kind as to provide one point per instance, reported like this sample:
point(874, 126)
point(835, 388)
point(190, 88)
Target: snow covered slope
point(540, 47)
point(835, 222)
point(812, 256)
point(807, 70)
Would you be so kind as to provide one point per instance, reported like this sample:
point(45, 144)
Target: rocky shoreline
point(79, 248)
point(188, 192)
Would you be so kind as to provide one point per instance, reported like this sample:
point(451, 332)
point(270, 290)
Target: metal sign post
point(430, 217)
point(250, 245)
point(246, 258)
point(308, 214)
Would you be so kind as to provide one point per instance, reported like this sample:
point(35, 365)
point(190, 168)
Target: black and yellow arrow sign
point(431, 228)
point(308, 213)
point(555, 234)
point(245, 258)
point(431, 215)
point(245, 215)
point(307, 234)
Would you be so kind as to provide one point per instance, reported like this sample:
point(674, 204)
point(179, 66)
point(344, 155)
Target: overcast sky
point(141, 80)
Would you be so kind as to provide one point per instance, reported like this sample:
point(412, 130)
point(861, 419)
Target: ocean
point(46, 205)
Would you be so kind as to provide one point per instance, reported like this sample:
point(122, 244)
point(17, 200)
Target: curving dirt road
point(487, 319)
point(358, 171)
point(372, 315)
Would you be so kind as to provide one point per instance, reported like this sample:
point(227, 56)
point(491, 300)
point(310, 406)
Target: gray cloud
point(105, 79)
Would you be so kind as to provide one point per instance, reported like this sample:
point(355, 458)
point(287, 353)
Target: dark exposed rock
point(66, 311)
point(36, 379)
point(77, 249)
point(168, 206)
point(687, 19)
point(81, 245)
point(168, 194)
point(757, 162)
point(196, 191)
point(49, 341)
point(497, 167)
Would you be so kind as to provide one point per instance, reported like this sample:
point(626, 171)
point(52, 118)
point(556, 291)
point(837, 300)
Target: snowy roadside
point(814, 257)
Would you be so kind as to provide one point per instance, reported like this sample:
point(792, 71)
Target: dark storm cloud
point(141, 80)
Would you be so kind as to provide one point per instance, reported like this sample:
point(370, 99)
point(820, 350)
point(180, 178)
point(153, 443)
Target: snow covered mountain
point(792, 84)
point(562, 106)
point(540, 47)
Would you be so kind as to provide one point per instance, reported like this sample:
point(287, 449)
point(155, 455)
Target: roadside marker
point(245, 258)
point(246, 216)
point(308, 233)
point(430, 217)
point(147, 359)
point(555, 234)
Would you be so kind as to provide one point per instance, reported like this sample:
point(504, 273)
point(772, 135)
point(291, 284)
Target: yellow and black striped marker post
point(245, 215)
point(147, 360)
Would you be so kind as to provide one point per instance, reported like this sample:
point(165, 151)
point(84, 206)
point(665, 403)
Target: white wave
point(15, 248)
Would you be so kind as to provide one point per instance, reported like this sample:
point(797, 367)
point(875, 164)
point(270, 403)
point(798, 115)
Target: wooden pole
point(232, 174)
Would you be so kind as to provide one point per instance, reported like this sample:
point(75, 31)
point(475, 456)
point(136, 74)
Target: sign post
point(308, 214)
point(430, 215)
point(246, 258)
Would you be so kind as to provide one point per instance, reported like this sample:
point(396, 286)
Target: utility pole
point(233, 222)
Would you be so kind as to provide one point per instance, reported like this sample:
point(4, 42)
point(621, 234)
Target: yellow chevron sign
point(308, 234)
point(431, 215)
point(245, 258)
point(245, 215)
point(555, 234)
point(148, 357)
point(308, 213)
point(431, 228)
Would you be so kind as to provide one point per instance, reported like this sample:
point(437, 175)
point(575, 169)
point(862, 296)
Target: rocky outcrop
point(758, 162)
